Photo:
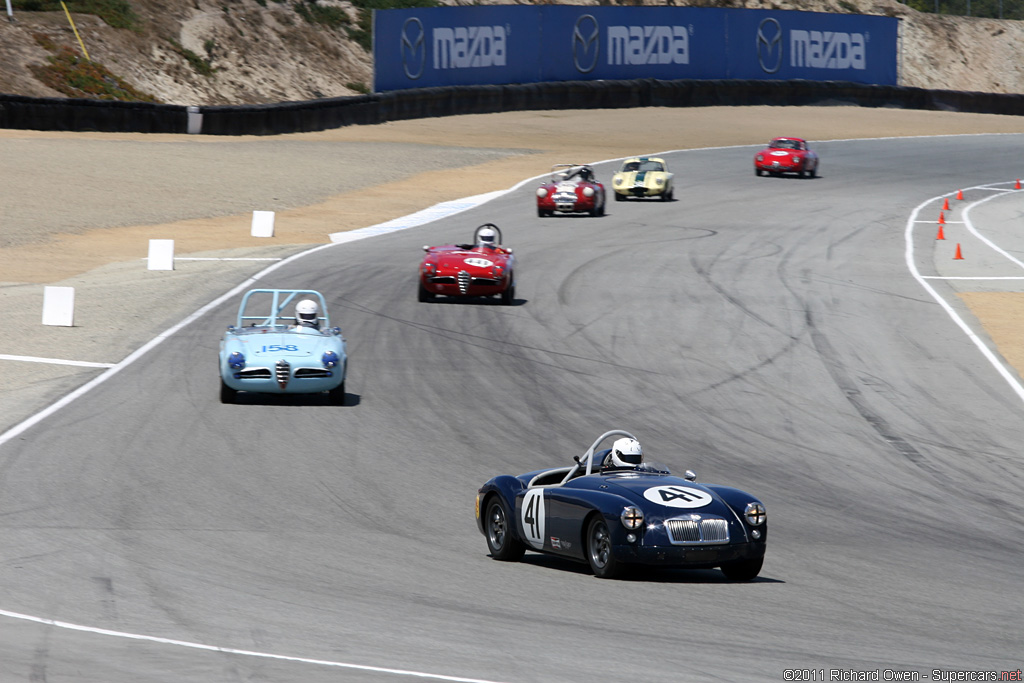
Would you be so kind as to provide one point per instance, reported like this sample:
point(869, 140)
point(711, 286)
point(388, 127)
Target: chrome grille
point(693, 531)
point(282, 371)
point(464, 279)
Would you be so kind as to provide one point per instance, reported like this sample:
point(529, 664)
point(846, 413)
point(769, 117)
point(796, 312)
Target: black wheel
point(758, 172)
point(337, 395)
point(619, 197)
point(666, 196)
point(424, 294)
point(814, 171)
point(509, 295)
point(498, 527)
point(227, 394)
point(743, 570)
point(541, 213)
point(599, 550)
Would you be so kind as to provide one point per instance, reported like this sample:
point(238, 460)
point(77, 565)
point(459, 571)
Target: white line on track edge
point(988, 353)
point(233, 651)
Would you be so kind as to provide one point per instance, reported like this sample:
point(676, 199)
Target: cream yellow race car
point(643, 177)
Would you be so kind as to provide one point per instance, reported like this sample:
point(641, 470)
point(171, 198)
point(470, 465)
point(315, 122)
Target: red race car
point(481, 269)
point(572, 188)
point(786, 155)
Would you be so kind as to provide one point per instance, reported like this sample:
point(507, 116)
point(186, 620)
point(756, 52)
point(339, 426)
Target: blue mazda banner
point(497, 44)
point(813, 46)
point(420, 48)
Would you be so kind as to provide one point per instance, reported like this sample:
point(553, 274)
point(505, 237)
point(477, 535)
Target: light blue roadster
point(271, 353)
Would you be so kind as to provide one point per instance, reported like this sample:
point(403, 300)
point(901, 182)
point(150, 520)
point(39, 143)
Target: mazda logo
point(769, 45)
point(584, 43)
point(413, 47)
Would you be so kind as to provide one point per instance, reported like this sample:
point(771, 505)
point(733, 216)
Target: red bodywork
point(571, 188)
point(786, 155)
point(468, 270)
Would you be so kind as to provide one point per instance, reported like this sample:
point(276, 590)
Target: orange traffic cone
point(1017, 186)
point(941, 235)
point(942, 219)
point(959, 194)
point(958, 256)
point(945, 204)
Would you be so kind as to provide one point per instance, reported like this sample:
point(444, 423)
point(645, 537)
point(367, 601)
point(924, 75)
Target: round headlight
point(796, 159)
point(542, 192)
point(659, 181)
point(588, 192)
point(329, 359)
point(619, 180)
point(760, 157)
point(755, 514)
point(236, 361)
point(632, 517)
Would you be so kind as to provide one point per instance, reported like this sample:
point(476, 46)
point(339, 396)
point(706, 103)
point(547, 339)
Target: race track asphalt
point(764, 332)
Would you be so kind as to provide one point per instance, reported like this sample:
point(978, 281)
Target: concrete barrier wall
point(294, 117)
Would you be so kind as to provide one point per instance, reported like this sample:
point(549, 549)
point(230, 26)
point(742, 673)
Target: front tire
point(509, 295)
point(619, 197)
point(227, 394)
point(424, 294)
point(743, 570)
point(337, 395)
point(498, 529)
point(599, 550)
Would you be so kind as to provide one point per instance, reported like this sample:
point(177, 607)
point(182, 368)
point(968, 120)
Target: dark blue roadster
point(613, 514)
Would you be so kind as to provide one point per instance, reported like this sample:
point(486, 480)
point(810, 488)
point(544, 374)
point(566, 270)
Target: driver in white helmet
point(487, 238)
point(625, 454)
point(307, 316)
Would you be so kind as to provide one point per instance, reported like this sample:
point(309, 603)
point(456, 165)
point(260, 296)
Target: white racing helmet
point(306, 312)
point(626, 452)
point(486, 236)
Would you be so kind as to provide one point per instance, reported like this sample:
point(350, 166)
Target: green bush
point(117, 13)
point(71, 75)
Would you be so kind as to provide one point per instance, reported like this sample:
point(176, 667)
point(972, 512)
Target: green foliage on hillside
point(117, 13)
point(74, 76)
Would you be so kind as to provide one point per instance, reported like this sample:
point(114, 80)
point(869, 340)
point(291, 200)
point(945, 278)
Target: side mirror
point(426, 247)
point(508, 249)
point(690, 475)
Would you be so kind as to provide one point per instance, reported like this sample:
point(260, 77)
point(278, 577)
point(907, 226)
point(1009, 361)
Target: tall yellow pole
point(72, 22)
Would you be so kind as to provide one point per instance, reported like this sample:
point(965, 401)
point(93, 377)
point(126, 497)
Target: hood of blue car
point(274, 345)
point(665, 494)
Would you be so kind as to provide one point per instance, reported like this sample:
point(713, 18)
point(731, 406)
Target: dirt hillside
point(262, 51)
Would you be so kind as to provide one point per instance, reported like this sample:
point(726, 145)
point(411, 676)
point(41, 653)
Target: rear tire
point(599, 550)
point(498, 529)
point(743, 570)
point(227, 394)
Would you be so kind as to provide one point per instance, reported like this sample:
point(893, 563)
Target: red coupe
point(786, 155)
point(481, 269)
point(572, 188)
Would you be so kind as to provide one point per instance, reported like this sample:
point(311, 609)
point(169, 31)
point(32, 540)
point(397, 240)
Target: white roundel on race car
point(677, 496)
point(779, 154)
point(478, 262)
